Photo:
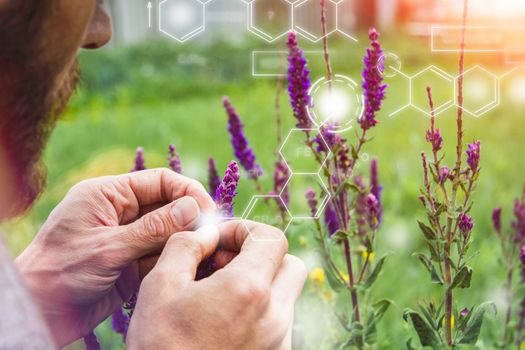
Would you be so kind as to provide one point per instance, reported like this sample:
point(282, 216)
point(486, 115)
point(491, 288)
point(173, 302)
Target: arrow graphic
point(150, 6)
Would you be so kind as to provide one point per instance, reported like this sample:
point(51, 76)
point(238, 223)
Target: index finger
point(261, 248)
point(164, 186)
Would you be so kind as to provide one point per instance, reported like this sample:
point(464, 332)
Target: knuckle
point(251, 291)
point(154, 226)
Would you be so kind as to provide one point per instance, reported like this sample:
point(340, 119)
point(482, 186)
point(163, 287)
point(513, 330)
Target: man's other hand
point(247, 304)
point(90, 255)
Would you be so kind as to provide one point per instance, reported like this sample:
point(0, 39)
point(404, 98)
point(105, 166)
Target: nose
point(98, 32)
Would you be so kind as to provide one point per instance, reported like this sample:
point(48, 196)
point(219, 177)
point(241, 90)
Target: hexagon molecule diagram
point(269, 19)
point(306, 19)
point(181, 20)
point(442, 86)
point(298, 156)
point(480, 91)
point(260, 210)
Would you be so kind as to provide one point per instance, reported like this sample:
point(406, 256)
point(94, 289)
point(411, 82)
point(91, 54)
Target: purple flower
point(473, 156)
point(336, 144)
point(522, 259)
point(444, 174)
point(120, 322)
point(280, 178)
point(91, 342)
point(464, 313)
point(330, 219)
point(361, 207)
point(227, 190)
point(174, 160)
point(214, 180)
point(139, 160)
point(496, 220)
point(373, 87)
point(239, 142)
point(519, 222)
point(466, 224)
point(312, 201)
point(433, 135)
point(372, 211)
point(299, 83)
point(376, 188)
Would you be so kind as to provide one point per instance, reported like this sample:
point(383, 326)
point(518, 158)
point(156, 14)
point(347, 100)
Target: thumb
point(150, 232)
point(185, 251)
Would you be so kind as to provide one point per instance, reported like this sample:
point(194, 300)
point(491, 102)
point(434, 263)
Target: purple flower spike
point(337, 144)
point(214, 180)
point(120, 322)
point(280, 178)
point(139, 160)
point(376, 188)
point(496, 220)
point(91, 342)
point(227, 190)
point(464, 313)
point(519, 222)
point(372, 211)
point(466, 224)
point(330, 219)
point(373, 87)
point(312, 201)
point(299, 83)
point(174, 160)
point(473, 156)
point(444, 174)
point(239, 142)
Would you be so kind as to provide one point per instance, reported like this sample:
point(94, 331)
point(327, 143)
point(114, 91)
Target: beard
point(26, 124)
point(33, 93)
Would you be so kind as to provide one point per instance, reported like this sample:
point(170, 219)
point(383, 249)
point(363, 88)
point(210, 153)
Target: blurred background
point(149, 89)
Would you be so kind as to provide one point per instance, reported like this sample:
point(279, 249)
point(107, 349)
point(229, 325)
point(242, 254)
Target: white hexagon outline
point(323, 204)
point(350, 82)
point(249, 209)
point(303, 32)
point(504, 76)
point(193, 33)
point(443, 74)
point(493, 104)
point(339, 30)
point(398, 71)
point(329, 153)
point(265, 36)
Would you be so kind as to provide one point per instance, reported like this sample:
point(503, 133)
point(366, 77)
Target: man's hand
point(248, 304)
point(90, 255)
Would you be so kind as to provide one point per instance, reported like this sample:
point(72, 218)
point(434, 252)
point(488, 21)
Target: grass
point(109, 119)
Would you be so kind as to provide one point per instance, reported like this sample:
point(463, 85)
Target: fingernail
point(185, 211)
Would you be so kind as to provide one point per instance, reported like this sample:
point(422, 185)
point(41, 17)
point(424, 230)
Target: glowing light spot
point(517, 91)
point(335, 105)
point(182, 15)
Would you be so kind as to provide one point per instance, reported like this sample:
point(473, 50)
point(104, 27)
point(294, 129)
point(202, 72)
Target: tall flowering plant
point(512, 242)
point(347, 233)
point(447, 198)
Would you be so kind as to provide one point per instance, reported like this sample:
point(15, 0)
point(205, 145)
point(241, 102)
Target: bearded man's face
point(39, 41)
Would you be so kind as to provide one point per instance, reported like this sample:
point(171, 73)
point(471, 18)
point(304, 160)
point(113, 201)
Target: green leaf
point(427, 231)
point(409, 344)
point(333, 280)
point(340, 235)
point(347, 185)
point(356, 337)
point(427, 335)
point(371, 329)
point(471, 332)
point(429, 265)
point(462, 278)
point(375, 272)
point(380, 307)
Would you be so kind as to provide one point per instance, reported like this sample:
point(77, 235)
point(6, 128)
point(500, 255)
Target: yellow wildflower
point(366, 255)
point(303, 242)
point(317, 275)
